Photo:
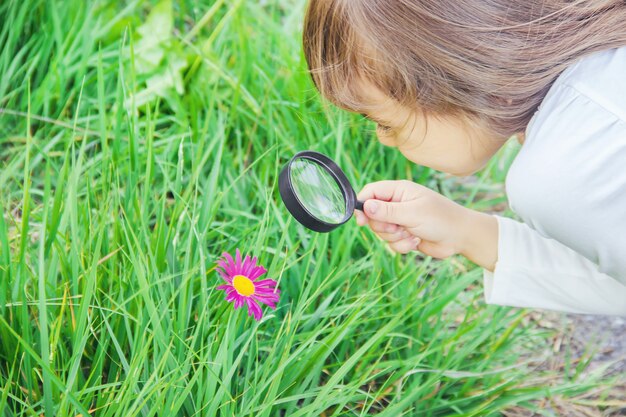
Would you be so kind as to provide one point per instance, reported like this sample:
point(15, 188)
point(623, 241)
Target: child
point(448, 82)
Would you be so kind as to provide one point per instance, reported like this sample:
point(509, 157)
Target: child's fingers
point(399, 239)
point(361, 219)
point(381, 190)
point(393, 237)
point(383, 227)
point(405, 245)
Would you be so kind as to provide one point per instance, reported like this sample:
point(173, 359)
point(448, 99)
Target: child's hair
point(488, 59)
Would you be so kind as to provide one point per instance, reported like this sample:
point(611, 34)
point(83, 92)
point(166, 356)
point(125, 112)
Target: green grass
point(138, 143)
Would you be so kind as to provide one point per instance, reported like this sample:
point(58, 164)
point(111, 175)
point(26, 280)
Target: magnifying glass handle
point(358, 205)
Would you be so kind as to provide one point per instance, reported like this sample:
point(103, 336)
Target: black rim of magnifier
point(297, 209)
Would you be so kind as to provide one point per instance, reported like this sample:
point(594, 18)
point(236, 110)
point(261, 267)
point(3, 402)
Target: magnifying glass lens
point(318, 191)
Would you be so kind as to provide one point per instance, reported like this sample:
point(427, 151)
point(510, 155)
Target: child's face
point(449, 144)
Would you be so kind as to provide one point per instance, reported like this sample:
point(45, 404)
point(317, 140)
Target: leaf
point(155, 34)
point(159, 24)
point(159, 57)
point(161, 83)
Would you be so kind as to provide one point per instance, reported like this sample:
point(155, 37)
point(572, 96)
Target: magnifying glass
point(317, 192)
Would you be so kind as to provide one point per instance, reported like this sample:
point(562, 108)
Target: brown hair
point(488, 59)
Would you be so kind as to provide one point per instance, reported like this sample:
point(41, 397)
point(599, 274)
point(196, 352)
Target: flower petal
point(255, 262)
point(254, 308)
point(253, 266)
point(265, 283)
point(222, 264)
point(239, 301)
point(238, 262)
point(267, 291)
point(233, 296)
point(257, 272)
point(271, 296)
point(246, 267)
point(264, 292)
point(223, 274)
point(229, 258)
point(225, 287)
point(266, 300)
point(225, 270)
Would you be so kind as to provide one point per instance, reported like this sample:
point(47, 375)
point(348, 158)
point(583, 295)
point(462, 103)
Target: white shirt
point(568, 185)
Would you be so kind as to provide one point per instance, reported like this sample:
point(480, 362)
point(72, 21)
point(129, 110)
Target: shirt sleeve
point(539, 272)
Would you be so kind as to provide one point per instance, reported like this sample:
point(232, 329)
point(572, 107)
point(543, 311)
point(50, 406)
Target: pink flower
point(242, 286)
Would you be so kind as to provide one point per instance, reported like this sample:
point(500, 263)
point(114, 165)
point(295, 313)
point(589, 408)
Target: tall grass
point(139, 142)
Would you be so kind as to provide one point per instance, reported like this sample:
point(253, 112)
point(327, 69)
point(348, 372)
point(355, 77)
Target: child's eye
point(384, 129)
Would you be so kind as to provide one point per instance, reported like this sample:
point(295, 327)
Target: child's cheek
point(386, 137)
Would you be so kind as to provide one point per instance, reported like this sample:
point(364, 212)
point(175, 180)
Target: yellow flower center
point(243, 285)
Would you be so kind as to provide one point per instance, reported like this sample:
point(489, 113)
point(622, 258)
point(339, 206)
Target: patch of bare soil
point(600, 340)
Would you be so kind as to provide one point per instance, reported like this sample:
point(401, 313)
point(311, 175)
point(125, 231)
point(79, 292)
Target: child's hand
point(409, 216)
